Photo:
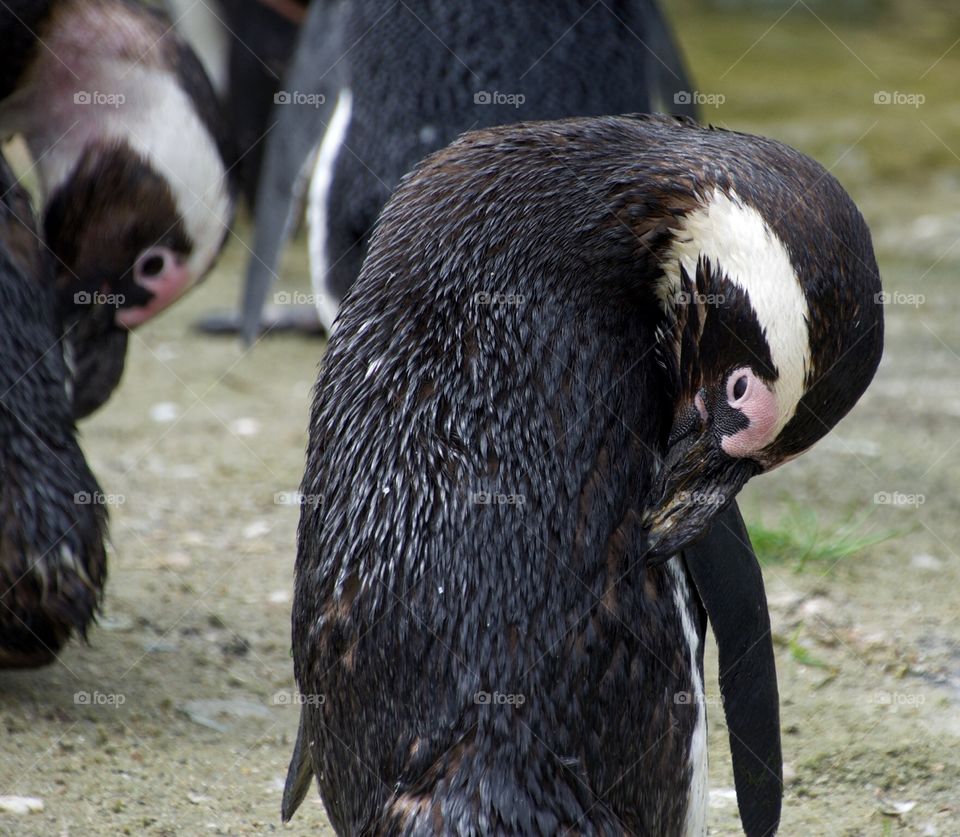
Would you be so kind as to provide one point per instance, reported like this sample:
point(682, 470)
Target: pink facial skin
point(759, 404)
point(167, 284)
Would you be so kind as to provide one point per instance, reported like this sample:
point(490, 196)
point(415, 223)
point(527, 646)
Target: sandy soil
point(177, 718)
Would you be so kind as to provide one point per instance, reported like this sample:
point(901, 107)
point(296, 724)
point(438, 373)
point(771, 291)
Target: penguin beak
point(96, 349)
point(696, 482)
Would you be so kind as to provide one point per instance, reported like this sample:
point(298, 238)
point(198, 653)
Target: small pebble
point(115, 622)
point(164, 412)
point(925, 561)
point(21, 804)
point(245, 426)
point(897, 809)
point(820, 607)
point(257, 529)
point(159, 647)
point(210, 713)
point(723, 797)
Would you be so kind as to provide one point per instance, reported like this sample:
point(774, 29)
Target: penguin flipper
point(727, 576)
point(299, 774)
point(315, 68)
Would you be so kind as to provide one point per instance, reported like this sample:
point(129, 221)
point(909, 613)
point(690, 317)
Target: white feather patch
point(201, 24)
point(695, 821)
point(736, 240)
point(317, 208)
point(161, 123)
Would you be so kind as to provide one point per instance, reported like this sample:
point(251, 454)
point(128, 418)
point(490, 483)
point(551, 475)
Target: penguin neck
point(573, 437)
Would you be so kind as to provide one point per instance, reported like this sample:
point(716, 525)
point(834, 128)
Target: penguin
point(133, 160)
point(571, 344)
point(374, 86)
point(54, 521)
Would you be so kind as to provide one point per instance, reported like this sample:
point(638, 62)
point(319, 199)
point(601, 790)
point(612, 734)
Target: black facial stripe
point(731, 334)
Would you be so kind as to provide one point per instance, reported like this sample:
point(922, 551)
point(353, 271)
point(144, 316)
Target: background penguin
point(133, 160)
point(570, 345)
point(52, 517)
point(384, 84)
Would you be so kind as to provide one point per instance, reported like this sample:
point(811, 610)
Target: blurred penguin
point(53, 519)
point(133, 158)
point(373, 87)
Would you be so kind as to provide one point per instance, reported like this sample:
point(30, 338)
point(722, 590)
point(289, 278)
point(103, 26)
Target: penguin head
point(122, 251)
point(136, 166)
point(744, 261)
point(776, 333)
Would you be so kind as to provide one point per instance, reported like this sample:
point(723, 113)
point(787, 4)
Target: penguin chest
point(642, 701)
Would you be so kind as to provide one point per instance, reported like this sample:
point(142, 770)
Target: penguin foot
point(298, 319)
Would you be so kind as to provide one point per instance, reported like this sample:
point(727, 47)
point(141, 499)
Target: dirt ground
point(178, 717)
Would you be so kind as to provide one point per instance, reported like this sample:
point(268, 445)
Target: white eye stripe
point(735, 238)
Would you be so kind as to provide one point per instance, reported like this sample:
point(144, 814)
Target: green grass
point(802, 655)
point(802, 542)
point(809, 78)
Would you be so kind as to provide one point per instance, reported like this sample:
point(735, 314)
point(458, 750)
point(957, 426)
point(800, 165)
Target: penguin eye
point(740, 387)
point(152, 263)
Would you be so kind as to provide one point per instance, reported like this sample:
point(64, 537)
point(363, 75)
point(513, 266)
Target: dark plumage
point(420, 73)
point(500, 450)
point(52, 517)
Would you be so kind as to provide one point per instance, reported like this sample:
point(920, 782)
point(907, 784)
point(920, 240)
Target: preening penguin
point(130, 147)
point(52, 557)
point(570, 345)
point(375, 86)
